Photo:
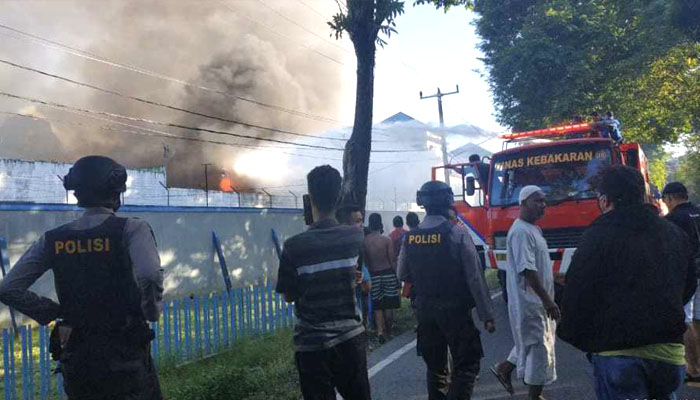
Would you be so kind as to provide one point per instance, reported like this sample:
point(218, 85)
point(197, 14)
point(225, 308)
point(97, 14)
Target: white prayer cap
point(528, 191)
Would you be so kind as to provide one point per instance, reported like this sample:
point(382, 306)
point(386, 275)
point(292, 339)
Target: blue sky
point(431, 49)
point(440, 50)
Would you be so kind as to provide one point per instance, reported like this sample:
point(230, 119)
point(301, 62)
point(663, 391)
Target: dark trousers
point(342, 367)
point(442, 326)
point(134, 378)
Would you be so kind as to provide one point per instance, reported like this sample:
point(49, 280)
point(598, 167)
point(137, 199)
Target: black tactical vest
point(94, 279)
point(435, 271)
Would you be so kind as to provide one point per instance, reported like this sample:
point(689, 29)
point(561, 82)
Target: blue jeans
point(623, 378)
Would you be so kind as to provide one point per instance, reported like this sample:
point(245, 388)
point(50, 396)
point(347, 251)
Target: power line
point(173, 125)
point(312, 9)
point(185, 127)
point(304, 28)
point(325, 17)
point(324, 55)
point(141, 131)
point(156, 133)
point(154, 103)
point(97, 58)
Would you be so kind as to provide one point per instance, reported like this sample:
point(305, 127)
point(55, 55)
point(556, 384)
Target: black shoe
point(382, 339)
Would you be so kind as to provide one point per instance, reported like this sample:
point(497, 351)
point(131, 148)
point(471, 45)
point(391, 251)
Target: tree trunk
point(358, 148)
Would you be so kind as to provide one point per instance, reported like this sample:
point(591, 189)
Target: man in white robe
point(531, 306)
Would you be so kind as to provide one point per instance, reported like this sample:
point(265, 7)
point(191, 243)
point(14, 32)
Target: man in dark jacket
point(625, 291)
point(683, 213)
point(687, 216)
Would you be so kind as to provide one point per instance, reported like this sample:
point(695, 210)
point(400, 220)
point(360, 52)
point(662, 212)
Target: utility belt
point(64, 338)
point(102, 364)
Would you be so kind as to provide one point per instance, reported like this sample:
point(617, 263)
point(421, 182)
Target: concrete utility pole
point(206, 182)
point(443, 139)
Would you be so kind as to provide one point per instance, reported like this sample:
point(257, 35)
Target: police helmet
point(98, 175)
point(435, 194)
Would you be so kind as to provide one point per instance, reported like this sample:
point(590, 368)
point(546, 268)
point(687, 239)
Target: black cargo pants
point(99, 369)
point(442, 325)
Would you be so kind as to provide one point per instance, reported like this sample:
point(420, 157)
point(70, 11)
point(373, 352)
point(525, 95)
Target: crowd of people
point(629, 301)
point(624, 293)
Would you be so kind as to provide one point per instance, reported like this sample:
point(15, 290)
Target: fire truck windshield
point(563, 171)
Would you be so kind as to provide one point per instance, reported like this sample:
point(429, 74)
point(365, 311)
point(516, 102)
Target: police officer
point(109, 284)
point(440, 259)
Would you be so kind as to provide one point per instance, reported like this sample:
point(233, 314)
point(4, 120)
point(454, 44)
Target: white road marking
point(393, 357)
point(405, 349)
point(397, 354)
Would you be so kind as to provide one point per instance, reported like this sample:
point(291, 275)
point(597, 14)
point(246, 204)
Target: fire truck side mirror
point(471, 186)
point(632, 158)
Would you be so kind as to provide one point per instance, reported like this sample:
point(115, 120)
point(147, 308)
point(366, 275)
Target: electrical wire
point(324, 17)
point(97, 58)
point(157, 104)
point(169, 124)
point(312, 9)
point(324, 55)
point(175, 108)
point(185, 127)
point(142, 131)
point(156, 133)
point(304, 28)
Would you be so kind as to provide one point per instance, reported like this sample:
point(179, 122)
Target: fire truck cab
point(559, 160)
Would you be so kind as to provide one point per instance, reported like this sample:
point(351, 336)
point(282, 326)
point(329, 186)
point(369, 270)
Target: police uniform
point(441, 260)
point(109, 283)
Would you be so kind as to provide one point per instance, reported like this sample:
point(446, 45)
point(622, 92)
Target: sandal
point(506, 383)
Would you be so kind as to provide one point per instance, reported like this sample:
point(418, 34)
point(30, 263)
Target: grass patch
point(258, 368)
point(255, 369)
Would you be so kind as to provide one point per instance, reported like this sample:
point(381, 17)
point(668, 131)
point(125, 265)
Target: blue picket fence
point(190, 328)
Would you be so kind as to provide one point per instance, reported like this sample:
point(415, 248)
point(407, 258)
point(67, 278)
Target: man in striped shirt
point(318, 273)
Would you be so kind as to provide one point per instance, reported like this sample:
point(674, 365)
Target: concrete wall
point(40, 182)
point(184, 236)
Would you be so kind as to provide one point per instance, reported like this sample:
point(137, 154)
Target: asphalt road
point(404, 378)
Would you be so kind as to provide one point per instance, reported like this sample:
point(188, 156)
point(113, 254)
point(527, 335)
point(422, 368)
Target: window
point(562, 171)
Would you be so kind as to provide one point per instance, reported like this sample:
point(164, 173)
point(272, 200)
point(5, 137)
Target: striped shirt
point(317, 271)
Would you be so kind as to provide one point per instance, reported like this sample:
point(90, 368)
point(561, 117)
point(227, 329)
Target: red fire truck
point(559, 160)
